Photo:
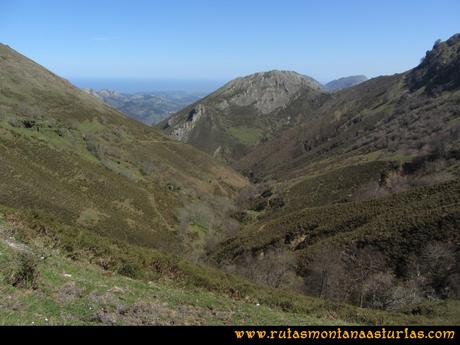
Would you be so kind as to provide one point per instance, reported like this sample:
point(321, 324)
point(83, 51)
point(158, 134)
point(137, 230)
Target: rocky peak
point(241, 113)
point(439, 69)
point(266, 91)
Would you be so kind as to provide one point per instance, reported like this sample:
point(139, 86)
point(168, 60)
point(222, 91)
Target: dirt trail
point(9, 240)
point(157, 211)
point(160, 141)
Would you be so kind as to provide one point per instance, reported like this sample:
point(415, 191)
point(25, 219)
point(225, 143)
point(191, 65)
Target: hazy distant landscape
point(147, 107)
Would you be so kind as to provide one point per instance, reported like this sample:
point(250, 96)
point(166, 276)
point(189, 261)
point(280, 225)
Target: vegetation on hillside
point(67, 155)
point(91, 279)
point(245, 112)
point(349, 211)
point(360, 203)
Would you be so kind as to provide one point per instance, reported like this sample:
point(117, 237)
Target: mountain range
point(153, 107)
point(147, 107)
point(343, 83)
point(272, 200)
point(247, 111)
point(343, 173)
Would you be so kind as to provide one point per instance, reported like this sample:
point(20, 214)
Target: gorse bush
point(24, 272)
point(349, 251)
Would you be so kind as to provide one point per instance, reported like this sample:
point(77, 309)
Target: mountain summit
point(439, 69)
point(242, 113)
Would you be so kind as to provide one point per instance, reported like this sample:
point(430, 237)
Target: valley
point(273, 200)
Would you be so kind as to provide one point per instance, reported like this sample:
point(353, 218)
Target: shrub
point(24, 272)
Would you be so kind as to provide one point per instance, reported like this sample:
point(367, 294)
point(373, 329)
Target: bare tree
point(362, 263)
point(273, 267)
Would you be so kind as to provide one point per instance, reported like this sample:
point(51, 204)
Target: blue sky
point(222, 39)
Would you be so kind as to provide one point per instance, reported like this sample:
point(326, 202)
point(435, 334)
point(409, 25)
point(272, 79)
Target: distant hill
point(345, 82)
point(241, 114)
point(147, 107)
point(403, 114)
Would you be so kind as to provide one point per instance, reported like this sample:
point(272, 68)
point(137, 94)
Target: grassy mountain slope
point(46, 280)
point(363, 194)
point(243, 113)
point(65, 154)
point(357, 201)
point(383, 118)
point(95, 206)
point(70, 292)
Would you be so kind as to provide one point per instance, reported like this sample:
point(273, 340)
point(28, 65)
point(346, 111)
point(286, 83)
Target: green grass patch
point(246, 135)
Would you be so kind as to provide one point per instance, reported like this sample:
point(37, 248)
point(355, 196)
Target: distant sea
point(148, 85)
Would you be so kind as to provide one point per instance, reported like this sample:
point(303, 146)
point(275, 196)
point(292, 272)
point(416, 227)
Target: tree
point(362, 263)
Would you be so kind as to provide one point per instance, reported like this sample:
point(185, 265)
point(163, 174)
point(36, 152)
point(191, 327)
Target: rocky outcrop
point(181, 129)
point(266, 92)
point(243, 112)
point(439, 69)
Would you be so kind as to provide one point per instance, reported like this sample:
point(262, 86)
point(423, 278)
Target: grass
point(335, 186)
point(89, 217)
point(76, 292)
point(455, 119)
point(397, 227)
point(388, 222)
point(89, 191)
point(401, 157)
point(70, 251)
point(88, 158)
point(246, 135)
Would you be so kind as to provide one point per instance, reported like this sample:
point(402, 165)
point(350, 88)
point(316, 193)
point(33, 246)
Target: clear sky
point(216, 40)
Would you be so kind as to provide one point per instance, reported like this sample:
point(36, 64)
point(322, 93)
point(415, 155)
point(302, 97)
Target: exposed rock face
point(183, 129)
point(440, 68)
point(266, 91)
point(241, 113)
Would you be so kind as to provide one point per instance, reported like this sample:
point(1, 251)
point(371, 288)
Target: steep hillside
point(243, 113)
point(67, 157)
point(343, 83)
point(440, 68)
point(356, 199)
point(361, 201)
point(53, 278)
point(147, 107)
point(384, 118)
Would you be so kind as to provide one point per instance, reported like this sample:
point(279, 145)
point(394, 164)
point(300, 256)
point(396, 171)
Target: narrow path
point(6, 148)
point(157, 211)
point(160, 141)
point(222, 189)
point(10, 241)
point(262, 226)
